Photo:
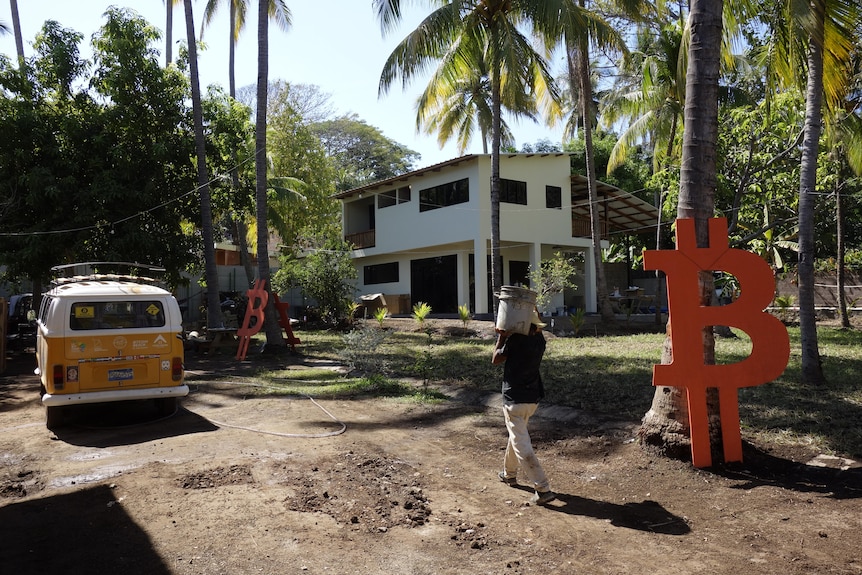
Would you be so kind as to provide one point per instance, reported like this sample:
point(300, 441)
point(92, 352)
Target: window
point(392, 197)
point(444, 195)
point(404, 194)
point(381, 273)
point(386, 199)
point(116, 315)
point(513, 192)
point(553, 197)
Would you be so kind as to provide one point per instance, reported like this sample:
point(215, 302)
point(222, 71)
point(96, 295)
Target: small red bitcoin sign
point(257, 299)
point(770, 342)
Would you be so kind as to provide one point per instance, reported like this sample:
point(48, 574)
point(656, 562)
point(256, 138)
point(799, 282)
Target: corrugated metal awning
point(622, 211)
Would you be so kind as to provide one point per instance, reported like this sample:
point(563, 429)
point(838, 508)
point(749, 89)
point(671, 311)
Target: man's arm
point(498, 356)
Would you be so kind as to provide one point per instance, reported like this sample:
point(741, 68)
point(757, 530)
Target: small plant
point(352, 308)
point(783, 303)
point(361, 350)
point(420, 312)
point(424, 364)
point(380, 315)
point(555, 275)
point(578, 318)
point(464, 314)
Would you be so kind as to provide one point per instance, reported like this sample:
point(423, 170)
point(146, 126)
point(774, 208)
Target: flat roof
point(623, 211)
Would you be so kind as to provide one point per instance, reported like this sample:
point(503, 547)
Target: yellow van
point(104, 338)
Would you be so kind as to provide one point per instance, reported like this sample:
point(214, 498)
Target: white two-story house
point(427, 234)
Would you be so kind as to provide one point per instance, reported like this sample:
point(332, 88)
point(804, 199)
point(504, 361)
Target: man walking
point(522, 390)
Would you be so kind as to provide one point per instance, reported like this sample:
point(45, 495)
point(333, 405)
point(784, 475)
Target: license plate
point(120, 374)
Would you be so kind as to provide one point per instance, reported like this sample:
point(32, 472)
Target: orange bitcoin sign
point(770, 342)
point(257, 300)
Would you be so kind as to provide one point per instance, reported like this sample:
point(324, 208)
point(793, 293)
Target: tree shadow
point(78, 533)
point(761, 469)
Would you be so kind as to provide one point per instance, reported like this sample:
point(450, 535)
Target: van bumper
point(52, 400)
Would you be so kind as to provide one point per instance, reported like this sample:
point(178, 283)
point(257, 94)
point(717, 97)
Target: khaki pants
point(519, 449)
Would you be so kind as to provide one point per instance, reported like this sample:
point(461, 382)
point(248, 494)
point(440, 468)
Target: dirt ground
point(233, 484)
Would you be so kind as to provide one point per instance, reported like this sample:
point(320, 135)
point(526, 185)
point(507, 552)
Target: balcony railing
point(361, 240)
point(581, 228)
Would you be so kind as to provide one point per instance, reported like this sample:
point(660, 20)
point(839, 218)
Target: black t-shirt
point(522, 382)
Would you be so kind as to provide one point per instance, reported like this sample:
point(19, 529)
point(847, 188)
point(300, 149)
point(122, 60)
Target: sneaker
point(542, 497)
point(511, 481)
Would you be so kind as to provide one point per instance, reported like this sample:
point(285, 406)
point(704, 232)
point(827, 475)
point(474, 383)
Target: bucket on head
point(516, 308)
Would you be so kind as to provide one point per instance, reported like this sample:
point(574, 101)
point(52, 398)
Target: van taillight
point(58, 377)
point(177, 369)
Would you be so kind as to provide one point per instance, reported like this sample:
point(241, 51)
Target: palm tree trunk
point(274, 339)
point(586, 95)
point(812, 372)
point(211, 271)
point(842, 298)
point(239, 224)
point(231, 63)
point(169, 32)
point(496, 108)
point(666, 425)
point(16, 30)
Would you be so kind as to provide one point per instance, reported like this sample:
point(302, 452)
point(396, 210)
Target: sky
point(336, 45)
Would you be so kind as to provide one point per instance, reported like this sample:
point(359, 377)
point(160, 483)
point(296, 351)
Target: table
point(221, 337)
point(633, 302)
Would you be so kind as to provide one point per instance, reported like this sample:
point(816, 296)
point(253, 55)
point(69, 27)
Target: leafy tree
point(360, 152)
point(758, 155)
point(100, 174)
point(297, 153)
point(326, 274)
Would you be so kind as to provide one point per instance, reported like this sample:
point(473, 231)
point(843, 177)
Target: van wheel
point(54, 417)
point(166, 405)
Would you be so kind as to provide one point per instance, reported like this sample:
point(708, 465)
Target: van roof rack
point(90, 271)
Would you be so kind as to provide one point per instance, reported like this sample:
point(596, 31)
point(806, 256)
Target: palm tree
point(651, 97)
point(819, 37)
point(274, 339)
point(456, 102)
point(211, 271)
point(580, 28)
point(277, 11)
point(836, 39)
point(238, 9)
point(452, 33)
point(666, 423)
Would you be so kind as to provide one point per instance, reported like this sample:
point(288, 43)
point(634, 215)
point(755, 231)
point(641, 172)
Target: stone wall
point(825, 289)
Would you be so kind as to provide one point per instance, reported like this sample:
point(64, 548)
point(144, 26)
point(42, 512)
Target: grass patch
point(328, 384)
point(613, 375)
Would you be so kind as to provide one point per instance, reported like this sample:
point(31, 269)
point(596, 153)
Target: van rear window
point(116, 315)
